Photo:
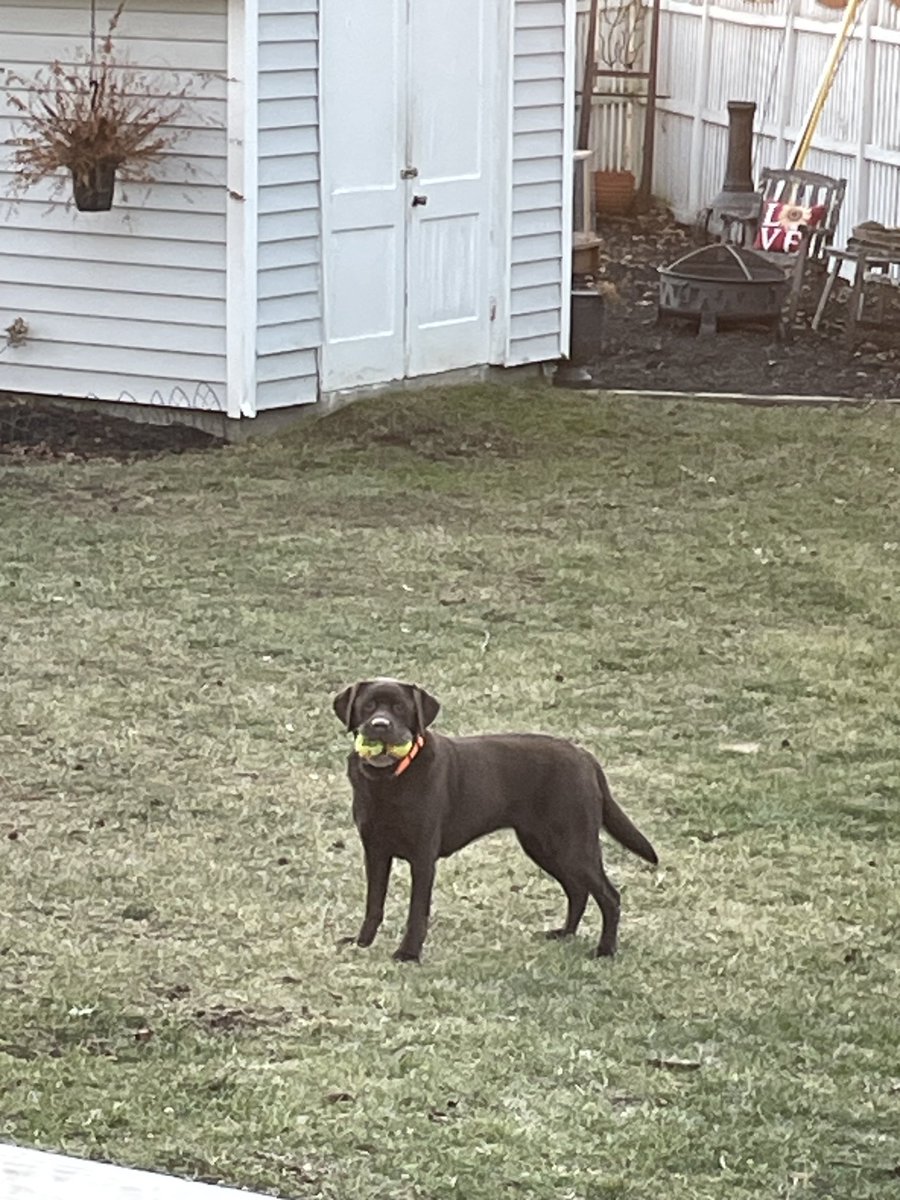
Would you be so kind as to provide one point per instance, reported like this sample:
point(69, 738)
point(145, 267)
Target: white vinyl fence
point(771, 52)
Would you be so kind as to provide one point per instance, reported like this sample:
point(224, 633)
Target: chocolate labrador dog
point(420, 796)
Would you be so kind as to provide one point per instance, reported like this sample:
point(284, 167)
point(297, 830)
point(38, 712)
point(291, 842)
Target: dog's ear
point(343, 705)
point(427, 708)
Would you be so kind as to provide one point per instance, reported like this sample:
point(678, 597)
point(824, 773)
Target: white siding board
point(292, 6)
point(282, 310)
point(538, 14)
point(50, 299)
point(539, 91)
point(178, 337)
point(286, 85)
point(537, 274)
point(540, 40)
point(288, 367)
point(541, 348)
point(288, 197)
point(288, 306)
point(540, 66)
point(536, 118)
point(126, 280)
point(95, 248)
point(527, 275)
point(536, 170)
point(157, 225)
point(304, 140)
point(285, 282)
point(124, 361)
point(533, 222)
point(288, 252)
point(543, 248)
point(539, 299)
point(128, 304)
point(131, 388)
point(546, 144)
point(536, 324)
point(282, 338)
point(289, 55)
point(285, 393)
point(534, 197)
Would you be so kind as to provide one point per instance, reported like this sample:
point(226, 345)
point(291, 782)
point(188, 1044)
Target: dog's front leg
point(378, 872)
point(419, 907)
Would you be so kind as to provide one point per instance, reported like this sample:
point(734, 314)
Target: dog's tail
point(620, 826)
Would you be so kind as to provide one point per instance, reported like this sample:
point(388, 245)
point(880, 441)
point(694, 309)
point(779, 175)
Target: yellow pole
point(830, 70)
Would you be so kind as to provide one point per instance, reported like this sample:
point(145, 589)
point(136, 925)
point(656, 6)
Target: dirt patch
point(37, 429)
point(642, 353)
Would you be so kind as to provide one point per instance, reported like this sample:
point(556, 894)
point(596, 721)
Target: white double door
point(409, 94)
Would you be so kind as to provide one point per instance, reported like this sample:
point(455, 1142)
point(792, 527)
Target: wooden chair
point(818, 196)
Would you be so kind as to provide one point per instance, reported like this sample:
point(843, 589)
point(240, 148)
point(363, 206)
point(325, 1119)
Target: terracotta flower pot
point(93, 189)
point(614, 193)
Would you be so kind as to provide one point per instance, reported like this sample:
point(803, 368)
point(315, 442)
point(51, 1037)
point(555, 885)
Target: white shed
point(369, 191)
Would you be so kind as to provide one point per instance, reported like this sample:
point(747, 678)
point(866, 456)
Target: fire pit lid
point(723, 262)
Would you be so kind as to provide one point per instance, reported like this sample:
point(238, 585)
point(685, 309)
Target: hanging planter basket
point(93, 186)
point(93, 119)
point(614, 193)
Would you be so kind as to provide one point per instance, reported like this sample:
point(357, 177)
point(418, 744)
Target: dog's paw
point(557, 935)
point(402, 955)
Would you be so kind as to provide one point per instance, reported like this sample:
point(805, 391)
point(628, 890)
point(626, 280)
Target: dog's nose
point(379, 723)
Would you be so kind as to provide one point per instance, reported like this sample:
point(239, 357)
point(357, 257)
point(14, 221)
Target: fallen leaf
point(675, 1064)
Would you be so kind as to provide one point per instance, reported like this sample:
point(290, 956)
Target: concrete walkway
point(35, 1175)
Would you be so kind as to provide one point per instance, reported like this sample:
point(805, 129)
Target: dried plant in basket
point(98, 119)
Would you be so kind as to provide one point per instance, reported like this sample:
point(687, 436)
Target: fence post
point(865, 86)
point(786, 80)
point(701, 87)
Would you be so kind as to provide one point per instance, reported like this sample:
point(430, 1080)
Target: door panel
point(406, 83)
point(363, 102)
point(448, 319)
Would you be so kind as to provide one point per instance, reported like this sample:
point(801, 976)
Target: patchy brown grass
point(705, 596)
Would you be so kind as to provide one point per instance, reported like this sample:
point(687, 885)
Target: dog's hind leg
point(576, 893)
point(607, 897)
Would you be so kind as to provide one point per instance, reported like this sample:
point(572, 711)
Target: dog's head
point(386, 710)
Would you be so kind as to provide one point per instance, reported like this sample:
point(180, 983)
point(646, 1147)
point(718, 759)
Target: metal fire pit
point(722, 283)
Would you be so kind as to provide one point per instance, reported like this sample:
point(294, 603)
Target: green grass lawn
point(705, 596)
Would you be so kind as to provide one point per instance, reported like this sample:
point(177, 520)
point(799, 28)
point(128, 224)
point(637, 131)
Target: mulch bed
point(639, 353)
point(33, 429)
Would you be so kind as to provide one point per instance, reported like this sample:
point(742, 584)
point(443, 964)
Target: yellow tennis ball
point(400, 750)
point(366, 748)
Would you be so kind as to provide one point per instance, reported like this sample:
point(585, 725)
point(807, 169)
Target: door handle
point(419, 201)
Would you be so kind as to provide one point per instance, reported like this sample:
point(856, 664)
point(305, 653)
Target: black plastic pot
point(93, 189)
point(586, 340)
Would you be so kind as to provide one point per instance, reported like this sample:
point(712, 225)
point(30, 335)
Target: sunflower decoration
point(793, 215)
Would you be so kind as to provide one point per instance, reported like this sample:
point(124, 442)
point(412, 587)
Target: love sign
point(782, 225)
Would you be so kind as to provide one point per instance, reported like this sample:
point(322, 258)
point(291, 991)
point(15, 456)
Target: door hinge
point(493, 309)
point(409, 173)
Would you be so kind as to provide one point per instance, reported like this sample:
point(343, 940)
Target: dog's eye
point(398, 708)
point(369, 706)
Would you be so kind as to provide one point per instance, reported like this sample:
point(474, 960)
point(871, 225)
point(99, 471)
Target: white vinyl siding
point(537, 281)
point(289, 326)
point(130, 304)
